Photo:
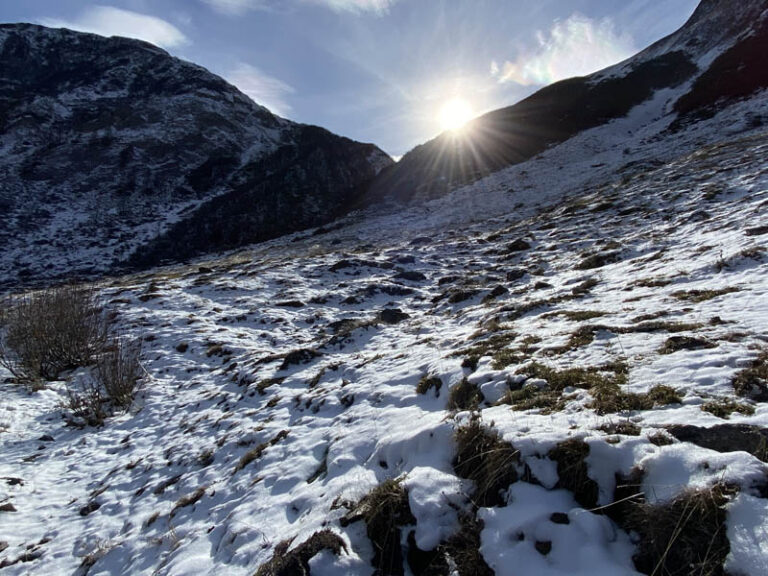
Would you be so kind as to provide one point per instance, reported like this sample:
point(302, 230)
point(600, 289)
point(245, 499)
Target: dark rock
point(411, 276)
point(8, 507)
point(393, 316)
point(515, 274)
point(543, 548)
point(726, 438)
point(518, 245)
point(559, 518)
point(46, 438)
point(92, 506)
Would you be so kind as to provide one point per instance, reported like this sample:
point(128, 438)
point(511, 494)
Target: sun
point(455, 114)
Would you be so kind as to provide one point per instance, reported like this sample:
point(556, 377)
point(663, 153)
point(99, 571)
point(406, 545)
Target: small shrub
point(87, 402)
point(485, 459)
point(118, 370)
point(464, 396)
point(50, 331)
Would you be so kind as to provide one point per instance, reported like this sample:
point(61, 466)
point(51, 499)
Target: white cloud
point(261, 88)
point(237, 7)
point(376, 6)
point(109, 21)
point(574, 47)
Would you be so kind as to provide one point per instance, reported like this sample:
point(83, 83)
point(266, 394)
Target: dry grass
point(464, 396)
point(385, 510)
point(296, 562)
point(684, 536)
point(485, 459)
point(752, 382)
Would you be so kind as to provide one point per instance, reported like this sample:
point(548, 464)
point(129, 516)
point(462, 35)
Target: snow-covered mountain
point(713, 60)
point(107, 142)
point(560, 368)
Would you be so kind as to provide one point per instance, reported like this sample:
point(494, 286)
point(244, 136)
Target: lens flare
point(455, 114)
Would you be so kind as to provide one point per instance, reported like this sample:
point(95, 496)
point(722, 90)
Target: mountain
point(107, 143)
point(714, 59)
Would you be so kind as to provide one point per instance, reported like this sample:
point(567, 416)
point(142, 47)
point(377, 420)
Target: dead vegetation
point(385, 510)
point(285, 562)
point(752, 381)
point(464, 396)
point(485, 459)
point(48, 332)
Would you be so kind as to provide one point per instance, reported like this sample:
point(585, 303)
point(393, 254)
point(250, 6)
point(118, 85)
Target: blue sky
point(378, 70)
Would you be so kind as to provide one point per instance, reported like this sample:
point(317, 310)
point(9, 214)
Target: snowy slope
point(106, 143)
point(646, 265)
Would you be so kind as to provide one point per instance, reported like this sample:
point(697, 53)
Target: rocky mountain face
point(714, 59)
point(105, 142)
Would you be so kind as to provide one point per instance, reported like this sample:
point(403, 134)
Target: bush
point(118, 370)
point(50, 331)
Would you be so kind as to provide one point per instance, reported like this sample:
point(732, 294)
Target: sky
point(378, 71)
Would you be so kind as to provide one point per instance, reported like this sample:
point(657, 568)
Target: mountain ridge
point(561, 110)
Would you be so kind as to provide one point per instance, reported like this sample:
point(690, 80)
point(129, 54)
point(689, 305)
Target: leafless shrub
point(86, 402)
point(118, 370)
point(47, 332)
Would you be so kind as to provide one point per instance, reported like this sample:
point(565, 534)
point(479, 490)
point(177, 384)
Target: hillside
point(711, 61)
point(602, 342)
point(107, 143)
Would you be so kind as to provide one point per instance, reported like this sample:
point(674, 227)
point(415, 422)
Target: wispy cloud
point(110, 21)
point(262, 88)
point(376, 6)
point(573, 47)
point(237, 7)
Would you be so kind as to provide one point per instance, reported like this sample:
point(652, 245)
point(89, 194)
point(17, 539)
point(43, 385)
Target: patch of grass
point(752, 382)
point(572, 471)
point(427, 383)
point(188, 500)
point(531, 397)
point(504, 358)
point(585, 287)
point(262, 386)
point(702, 295)
point(464, 396)
point(581, 315)
point(625, 428)
point(258, 451)
point(724, 407)
point(609, 398)
point(296, 561)
point(676, 343)
point(686, 535)
point(385, 510)
point(485, 459)
point(585, 378)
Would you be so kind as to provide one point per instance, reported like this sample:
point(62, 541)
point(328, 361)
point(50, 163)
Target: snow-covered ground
point(281, 383)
